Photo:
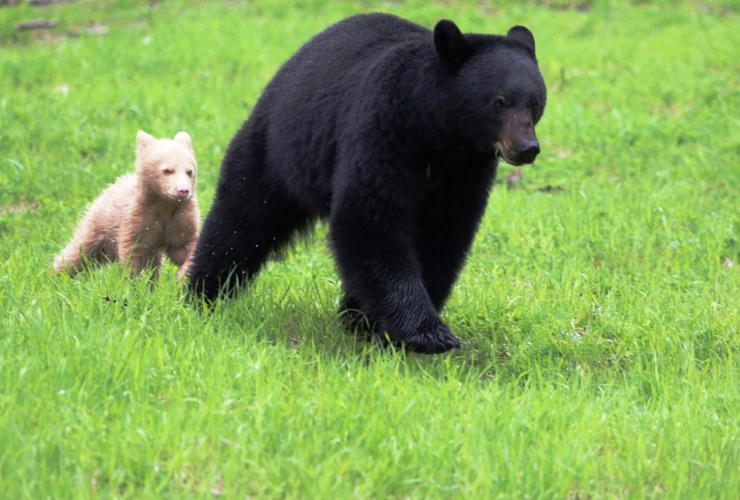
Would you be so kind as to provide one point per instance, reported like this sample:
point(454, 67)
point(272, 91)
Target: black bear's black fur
point(392, 132)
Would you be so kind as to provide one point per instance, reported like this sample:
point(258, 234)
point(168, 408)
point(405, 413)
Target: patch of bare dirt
point(37, 24)
point(19, 208)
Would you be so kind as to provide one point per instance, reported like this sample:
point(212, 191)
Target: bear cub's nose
point(183, 191)
point(529, 151)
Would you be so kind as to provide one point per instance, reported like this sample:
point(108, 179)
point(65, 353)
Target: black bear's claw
point(435, 340)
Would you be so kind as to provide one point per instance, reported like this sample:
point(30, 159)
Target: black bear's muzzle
point(528, 152)
point(525, 153)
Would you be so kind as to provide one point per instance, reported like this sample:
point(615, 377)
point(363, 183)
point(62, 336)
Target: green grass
point(599, 317)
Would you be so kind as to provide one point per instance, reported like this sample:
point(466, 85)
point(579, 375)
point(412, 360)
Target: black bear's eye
point(499, 102)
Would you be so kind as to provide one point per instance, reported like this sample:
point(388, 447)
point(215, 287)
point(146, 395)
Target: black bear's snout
point(529, 151)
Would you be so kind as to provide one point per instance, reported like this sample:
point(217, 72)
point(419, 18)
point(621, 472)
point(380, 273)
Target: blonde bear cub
point(142, 215)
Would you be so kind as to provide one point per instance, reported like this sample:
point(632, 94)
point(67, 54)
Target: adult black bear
point(392, 132)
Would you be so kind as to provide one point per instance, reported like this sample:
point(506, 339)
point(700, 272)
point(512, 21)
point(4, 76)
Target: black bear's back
point(308, 103)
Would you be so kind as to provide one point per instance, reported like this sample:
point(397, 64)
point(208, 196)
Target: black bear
point(392, 132)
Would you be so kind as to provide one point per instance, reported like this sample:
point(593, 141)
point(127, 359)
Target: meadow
point(598, 312)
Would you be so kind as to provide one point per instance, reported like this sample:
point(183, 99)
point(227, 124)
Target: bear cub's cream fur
point(142, 215)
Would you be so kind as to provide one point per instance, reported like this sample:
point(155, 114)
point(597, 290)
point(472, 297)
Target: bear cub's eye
point(166, 171)
point(499, 102)
point(189, 172)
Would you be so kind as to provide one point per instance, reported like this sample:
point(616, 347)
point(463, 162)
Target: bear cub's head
point(166, 167)
point(495, 88)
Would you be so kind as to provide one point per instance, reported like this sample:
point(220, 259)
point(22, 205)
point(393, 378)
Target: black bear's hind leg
point(247, 222)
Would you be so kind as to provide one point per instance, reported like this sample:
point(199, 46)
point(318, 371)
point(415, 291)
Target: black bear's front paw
point(434, 340)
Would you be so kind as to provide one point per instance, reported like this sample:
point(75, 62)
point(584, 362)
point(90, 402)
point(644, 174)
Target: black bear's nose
point(529, 151)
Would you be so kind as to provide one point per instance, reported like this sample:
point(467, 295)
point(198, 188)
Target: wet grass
point(598, 312)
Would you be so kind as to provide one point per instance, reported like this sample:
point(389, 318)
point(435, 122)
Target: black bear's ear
point(451, 45)
point(522, 35)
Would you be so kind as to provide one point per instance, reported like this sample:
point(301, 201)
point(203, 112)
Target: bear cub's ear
point(451, 45)
point(183, 138)
point(522, 35)
point(144, 140)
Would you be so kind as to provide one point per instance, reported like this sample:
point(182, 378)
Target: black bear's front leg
point(372, 226)
point(449, 216)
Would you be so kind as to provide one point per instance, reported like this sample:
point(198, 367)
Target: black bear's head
point(493, 89)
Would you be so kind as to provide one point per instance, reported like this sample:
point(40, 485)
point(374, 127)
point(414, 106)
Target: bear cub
point(392, 132)
point(142, 215)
